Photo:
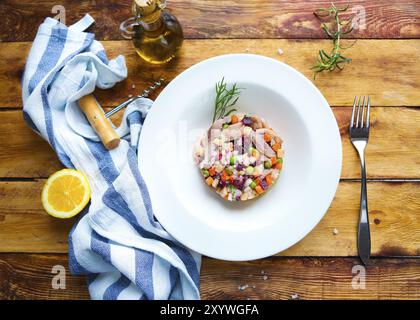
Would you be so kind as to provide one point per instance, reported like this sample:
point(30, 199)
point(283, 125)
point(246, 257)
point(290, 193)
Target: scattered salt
point(295, 296)
point(243, 287)
point(133, 86)
point(262, 272)
point(265, 277)
point(335, 231)
point(130, 95)
point(279, 51)
point(247, 49)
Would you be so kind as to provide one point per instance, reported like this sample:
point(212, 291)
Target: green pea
point(229, 171)
point(225, 126)
point(232, 160)
point(249, 169)
point(267, 164)
point(253, 185)
point(280, 160)
point(205, 173)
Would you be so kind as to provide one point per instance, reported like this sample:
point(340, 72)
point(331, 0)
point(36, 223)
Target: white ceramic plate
point(194, 214)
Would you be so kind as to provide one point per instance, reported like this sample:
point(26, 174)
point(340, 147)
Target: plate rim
point(338, 144)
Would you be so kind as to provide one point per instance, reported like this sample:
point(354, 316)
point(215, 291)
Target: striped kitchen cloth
point(118, 242)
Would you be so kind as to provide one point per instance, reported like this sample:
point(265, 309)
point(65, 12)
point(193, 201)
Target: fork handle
point(363, 237)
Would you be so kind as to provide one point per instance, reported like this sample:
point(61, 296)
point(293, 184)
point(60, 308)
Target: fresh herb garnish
point(225, 99)
point(325, 61)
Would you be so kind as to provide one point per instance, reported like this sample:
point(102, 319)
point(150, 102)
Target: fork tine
point(352, 113)
point(363, 111)
point(368, 113)
point(358, 112)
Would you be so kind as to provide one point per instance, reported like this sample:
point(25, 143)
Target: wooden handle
point(99, 122)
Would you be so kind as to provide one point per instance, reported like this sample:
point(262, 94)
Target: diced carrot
point(209, 181)
point(234, 119)
point(231, 179)
point(258, 181)
point(212, 171)
point(259, 189)
point(269, 179)
point(267, 137)
point(278, 166)
point(276, 146)
point(273, 161)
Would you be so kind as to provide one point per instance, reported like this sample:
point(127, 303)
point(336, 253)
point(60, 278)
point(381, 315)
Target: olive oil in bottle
point(156, 34)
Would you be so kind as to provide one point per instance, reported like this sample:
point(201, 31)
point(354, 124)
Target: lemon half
point(65, 193)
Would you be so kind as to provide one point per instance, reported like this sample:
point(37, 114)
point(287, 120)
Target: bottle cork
point(99, 122)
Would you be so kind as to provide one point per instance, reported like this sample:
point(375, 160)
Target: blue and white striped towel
point(118, 243)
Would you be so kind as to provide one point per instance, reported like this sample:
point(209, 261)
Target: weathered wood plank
point(28, 276)
point(377, 68)
point(394, 221)
point(309, 278)
point(24, 154)
point(213, 19)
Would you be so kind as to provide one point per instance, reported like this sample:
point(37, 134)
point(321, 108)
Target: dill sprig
point(225, 99)
point(334, 59)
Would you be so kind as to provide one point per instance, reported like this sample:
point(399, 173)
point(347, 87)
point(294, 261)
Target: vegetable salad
point(240, 157)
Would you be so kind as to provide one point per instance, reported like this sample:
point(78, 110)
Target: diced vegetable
point(278, 166)
point(247, 121)
point(259, 189)
point(249, 169)
point(269, 179)
point(267, 164)
point(234, 119)
point(225, 126)
point(276, 146)
point(232, 160)
point(253, 185)
point(229, 171)
point(264, 184)
point(267, 137)
point(280, 160)
point(209, 181)
point(205, 173)
point(273, 161)
point(212, 171)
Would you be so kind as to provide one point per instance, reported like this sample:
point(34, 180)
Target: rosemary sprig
point(225, 99)
point(334, 59)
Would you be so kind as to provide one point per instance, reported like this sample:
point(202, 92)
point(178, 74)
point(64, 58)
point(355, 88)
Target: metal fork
point(359, 135)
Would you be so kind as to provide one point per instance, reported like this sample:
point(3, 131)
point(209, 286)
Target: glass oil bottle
point(156, 34)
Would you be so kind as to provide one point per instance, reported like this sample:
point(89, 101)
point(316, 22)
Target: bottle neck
point(151, 25)
point(148, 13)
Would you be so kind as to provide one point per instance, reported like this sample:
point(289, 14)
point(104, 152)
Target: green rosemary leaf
point(333, 60)
point(225, 99)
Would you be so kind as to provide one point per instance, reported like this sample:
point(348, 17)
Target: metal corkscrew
point(144, 94)
point(99, 120)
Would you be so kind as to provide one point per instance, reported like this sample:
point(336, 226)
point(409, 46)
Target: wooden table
point(385, 65)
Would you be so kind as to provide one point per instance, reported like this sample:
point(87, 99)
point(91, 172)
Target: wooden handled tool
point(99, 122)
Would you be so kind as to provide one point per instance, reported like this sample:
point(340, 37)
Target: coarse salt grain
point(295, 296)
point(335, 231)
point(279, 51)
